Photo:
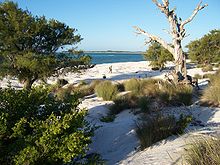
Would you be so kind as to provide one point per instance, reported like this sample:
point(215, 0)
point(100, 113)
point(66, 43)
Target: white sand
point(116, 141)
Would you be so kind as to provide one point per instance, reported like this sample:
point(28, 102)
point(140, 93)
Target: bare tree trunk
point(177, 32)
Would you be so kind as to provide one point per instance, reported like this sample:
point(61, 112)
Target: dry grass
point(203, 151)
point(211, 94)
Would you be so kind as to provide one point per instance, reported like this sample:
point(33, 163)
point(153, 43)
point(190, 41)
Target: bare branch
point(196, 10)
point(155, 38)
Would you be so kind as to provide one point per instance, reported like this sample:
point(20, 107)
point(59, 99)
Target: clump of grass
point(143, 104)
point(198, 76)
point(217, 65)
point(141, 87)
point(149, 87)
point(107, 119)
point(94, 83)
point(62, 93)
point(106, 90)
point(175, 94)
point(61, 82)
point(211, 94)
point(121, 103)
point(158, 128)
point(205, 151)
point(133, 85)
point(207, 68)
point(208, 75)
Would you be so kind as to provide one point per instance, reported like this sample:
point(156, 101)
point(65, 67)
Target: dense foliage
point(205, 49)
point(37, 128)
point(29, 45)
point(158, 55)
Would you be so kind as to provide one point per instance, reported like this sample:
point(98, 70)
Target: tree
point(205, 49)
point(157, 55)
point(177, 32)
point(29, 45)
point(39, 129)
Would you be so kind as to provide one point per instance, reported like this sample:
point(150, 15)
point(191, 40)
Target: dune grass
point(154, 129)
point(203, 151)
point(211, 94)
point(107, 90)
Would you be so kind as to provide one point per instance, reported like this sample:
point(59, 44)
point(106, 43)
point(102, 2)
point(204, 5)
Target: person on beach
point(110, 69)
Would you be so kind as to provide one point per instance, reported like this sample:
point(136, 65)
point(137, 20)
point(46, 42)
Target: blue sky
point(107, 24)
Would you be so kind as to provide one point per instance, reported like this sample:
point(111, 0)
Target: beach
point(116, 142)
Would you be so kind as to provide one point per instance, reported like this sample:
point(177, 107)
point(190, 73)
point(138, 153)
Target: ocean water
point(101, 58)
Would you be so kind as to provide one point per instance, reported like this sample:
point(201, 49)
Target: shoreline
point(121, 71)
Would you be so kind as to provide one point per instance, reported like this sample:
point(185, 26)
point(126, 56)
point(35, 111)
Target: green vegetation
point(203, 151)
point(109, 118)
point(211, 95)
point(158, 128)
point(133, 85)
point(158, 55)
point(207, 68)
point(198, 76)
point(121, 103)
point(175, 94)
point(106, 90)
point(29, 44)
point(206, 49)
point(37, 128)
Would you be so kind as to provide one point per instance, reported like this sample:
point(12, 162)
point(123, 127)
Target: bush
point(175, 94)
point(198, 76)
point(211, 94)
point(109, 118)
point(106, 90)
point(143, 104)
point(133, 85)
point(207, 68)
point(158, 128)
point(203, 151)
point(61, 82)
point(124, 102)
point(36, 128)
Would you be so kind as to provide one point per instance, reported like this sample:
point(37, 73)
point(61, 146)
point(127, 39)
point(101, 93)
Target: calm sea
point(100, 58)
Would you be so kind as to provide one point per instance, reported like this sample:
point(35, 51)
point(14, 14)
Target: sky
point(108, 24)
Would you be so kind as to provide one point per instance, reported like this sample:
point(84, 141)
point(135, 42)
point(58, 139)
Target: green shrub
point(207, 68)
point(217, 65)
point(61, 82)
point(198, 76)
point(109, 118)
point(36, 128)
point(133, 85)
point(175, 94)
point(158, 128)
point(149, 87)
point(203, 151)
point(143, 104)
point(208, 75)
point(106, 90)
point(211, 94)
point(94, 83)
point(121, 103)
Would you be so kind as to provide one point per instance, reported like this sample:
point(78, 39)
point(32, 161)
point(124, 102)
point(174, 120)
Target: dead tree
point(177, 32)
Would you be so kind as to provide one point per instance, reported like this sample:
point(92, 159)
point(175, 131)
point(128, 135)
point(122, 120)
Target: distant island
point(115, 52)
